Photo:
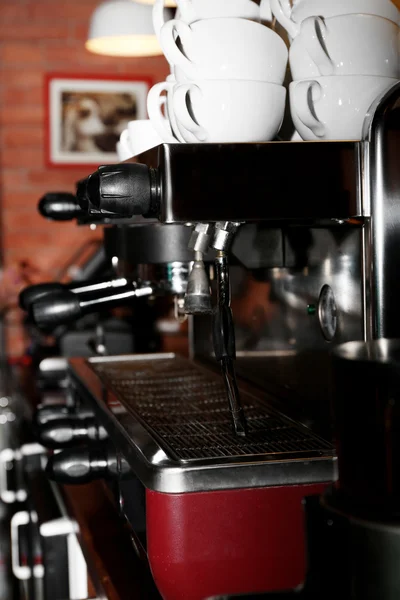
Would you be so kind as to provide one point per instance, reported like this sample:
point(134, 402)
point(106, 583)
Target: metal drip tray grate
point(186, 410)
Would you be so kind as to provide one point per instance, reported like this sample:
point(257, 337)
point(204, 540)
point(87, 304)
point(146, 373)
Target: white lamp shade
point(170, 3)
point(122, 28)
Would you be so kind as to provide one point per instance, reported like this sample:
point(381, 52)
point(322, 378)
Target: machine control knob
point(86, 464)
point(68, 431)
point(60, 206)
point(124, 190)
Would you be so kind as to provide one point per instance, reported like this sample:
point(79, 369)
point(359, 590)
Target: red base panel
point(227, 542)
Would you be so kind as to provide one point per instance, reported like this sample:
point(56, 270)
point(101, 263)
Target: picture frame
point(86, 114)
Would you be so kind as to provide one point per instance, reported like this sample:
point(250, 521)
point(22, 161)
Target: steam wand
point(224, 342)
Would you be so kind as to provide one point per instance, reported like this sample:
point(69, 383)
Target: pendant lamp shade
point(170, 3)
point(122, 28)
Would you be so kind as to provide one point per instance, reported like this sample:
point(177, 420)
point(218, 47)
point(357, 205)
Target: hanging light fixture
point(122, 28)
point(167, 3)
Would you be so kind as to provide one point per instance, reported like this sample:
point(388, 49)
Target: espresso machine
point(213, 458)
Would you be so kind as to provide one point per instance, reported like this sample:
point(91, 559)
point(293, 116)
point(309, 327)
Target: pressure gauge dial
point(327, 313)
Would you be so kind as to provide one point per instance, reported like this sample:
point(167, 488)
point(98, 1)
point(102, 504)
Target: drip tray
point(171, 415)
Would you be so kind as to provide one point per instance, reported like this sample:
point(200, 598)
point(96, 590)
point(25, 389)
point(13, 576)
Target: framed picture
point(86, 114)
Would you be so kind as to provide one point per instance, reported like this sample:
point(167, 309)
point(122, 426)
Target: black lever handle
point(34, 293)
point(56, 309)
point(60, 206)
point(47, 413)
point(70, 431)
point(86, 464)
point(124, 190)
point(66, 307)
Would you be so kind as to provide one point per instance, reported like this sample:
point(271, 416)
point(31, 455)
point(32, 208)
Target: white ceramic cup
point(196, 10)
point(229, 111)
point(140, 136)
point(346, 45)
point(334, 108)
point(225, 49)
point(123, 149)
point(291, 17)
point(166, 125)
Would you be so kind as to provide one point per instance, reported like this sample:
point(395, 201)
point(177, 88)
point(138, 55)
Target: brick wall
point(37, 37)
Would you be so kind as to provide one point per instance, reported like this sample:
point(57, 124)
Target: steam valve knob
point(60, 206)
point(124, 190)
point(86, 464)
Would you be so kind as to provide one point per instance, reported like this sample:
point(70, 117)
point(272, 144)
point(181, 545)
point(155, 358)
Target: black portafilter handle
point(37, 292)
point(47, 413)
point(62, 308)
point(124, 189)
point(34, 293)
point(86, 464)
point(70, 431)
point(60, 206)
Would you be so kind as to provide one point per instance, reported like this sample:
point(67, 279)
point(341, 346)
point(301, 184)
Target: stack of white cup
point(227, 70)
point(344, 54)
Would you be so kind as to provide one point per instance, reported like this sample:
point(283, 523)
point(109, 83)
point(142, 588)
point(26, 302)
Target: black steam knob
point(60, 206)
point(86, 464)
point(34, 293)
point(69, 431)
point(124, 190)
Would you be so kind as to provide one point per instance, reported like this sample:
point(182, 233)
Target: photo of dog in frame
point(86, 116)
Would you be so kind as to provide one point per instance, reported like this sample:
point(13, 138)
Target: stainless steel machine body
point(317, 248)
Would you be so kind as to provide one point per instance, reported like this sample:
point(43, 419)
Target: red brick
point(16, 341)
point(34, 31)
point(73, 9)
point(46, 262)
point(16, 96)
point(21, 115)
point(76, 52)
point(15, 219)
point(52, 239)
point(17, 136)
point(80, 31)
point(58, 178)
point(21, 77)
point(23, 53)
point(13, 316)
point(14, 180)
point(23, 157)
point(20, 200)
point(12, 11)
